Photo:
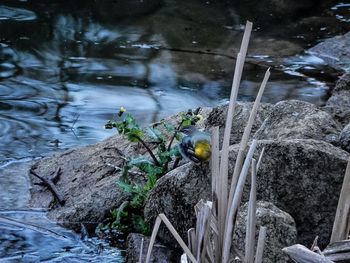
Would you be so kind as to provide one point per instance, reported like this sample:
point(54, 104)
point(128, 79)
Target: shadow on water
point(64, 72)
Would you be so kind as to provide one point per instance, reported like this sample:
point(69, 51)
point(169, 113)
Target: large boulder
point(295, 119)
point(87, 183)
point(334, 51)
point(176, 195)
point(217, 117)
point(280, 231)
point(302, 177)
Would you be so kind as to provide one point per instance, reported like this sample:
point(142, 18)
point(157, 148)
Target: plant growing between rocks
point(140, 174)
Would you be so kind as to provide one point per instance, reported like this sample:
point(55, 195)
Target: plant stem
point(174, 135)
point(148, 150)
point(176, 162)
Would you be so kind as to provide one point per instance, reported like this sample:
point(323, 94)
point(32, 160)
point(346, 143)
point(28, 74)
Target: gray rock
point(344, 138)
point(86, 182)
point(334, 51)
point(175, 195)
point(160, 253)
point(338, 105)
point(302, 177)
point(280, 230)
point(341, 94)
point(217, 117)
point(295, 119)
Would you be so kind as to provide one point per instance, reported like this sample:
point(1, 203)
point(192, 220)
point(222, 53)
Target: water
point(64, 72)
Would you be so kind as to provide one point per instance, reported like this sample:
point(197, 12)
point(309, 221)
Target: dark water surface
point(67, 66)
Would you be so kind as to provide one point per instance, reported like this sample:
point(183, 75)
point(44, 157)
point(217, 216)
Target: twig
point(56, 175)
point(51, 186)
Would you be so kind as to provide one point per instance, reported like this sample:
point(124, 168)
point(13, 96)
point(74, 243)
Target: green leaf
point(155, 134)
point(140, 225)
point(169, 127)
point(186, 122)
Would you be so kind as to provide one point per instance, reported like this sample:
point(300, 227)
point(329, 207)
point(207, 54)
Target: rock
point(86, 182)
point(339, 103)
point(294, 119)
point(160, 253)
point(280, 230)
point(175, 195)
point(217, 117)
point(334, 51)
point(341, 94)
point(344, 138)
point(301, 176)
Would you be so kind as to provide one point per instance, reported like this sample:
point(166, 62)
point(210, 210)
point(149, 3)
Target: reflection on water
point(64, 72)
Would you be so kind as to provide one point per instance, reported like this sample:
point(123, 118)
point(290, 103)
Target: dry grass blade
point(191, 236)
point(202, 231)
point(301, 254)
point(223, 175)
point(228, 126)
point(260, 158)
point(153, 238)
point(245, 137)
point(260, 245)
point(232, 210)
point(215, 166)
point(251, 220)
point(341, 226)
point(141, 251)
point(162, 217)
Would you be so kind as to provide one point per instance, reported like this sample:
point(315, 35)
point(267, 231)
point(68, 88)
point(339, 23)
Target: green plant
point(157, 140)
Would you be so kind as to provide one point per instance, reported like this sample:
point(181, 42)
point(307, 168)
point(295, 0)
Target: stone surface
point(86, 182)
point(175, 195)
point(295, 119)
point(341, 94)
point(301, 176)
point(217, 117)
point(344, 138)
point(160, 253)
point(334, 51)
point(280, 231)
point(339, 102)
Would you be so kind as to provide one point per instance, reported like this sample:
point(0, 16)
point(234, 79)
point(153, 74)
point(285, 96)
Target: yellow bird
point(196, 145)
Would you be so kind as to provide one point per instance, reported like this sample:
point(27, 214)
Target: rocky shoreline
point(306, 151)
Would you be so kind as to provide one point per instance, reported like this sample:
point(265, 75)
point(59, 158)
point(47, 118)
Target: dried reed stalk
point(232, 210)
point(260, 245)
point(160, 218)
point(341, 226)
point(251, 218)
point(228, 126)
point(246, 134)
